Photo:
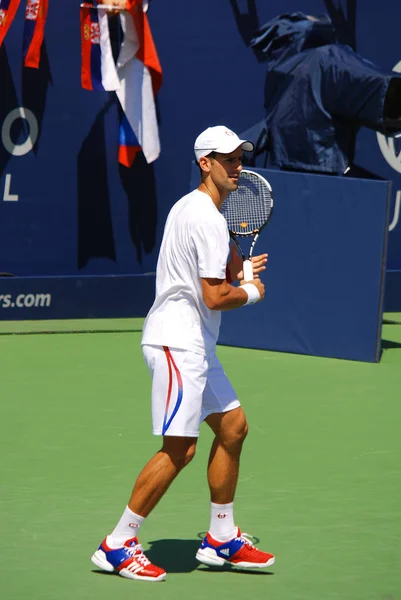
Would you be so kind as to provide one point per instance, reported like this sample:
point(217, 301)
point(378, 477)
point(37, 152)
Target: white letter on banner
point(7, 197)
point(396, 211)
point(25, 147)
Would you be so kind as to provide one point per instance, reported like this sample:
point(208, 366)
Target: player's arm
point(218, 294)
point(211, 242)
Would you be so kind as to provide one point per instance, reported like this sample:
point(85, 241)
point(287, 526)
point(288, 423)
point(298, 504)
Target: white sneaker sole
point(99, 559)
point(207, 556)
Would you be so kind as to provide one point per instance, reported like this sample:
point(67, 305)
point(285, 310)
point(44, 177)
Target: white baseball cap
point(219, 139)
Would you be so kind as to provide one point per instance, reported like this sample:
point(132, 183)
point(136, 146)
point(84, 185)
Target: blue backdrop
point(324, 279)
point(68, 208)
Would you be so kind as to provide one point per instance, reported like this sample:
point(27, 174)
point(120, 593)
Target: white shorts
point(186, 388)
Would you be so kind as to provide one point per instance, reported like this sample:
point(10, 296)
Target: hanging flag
point(8, 9)
point(136, 80)
point(98, 70)
point(129, 145)
point(140, 76)
point(34, 29)
point(147, 50)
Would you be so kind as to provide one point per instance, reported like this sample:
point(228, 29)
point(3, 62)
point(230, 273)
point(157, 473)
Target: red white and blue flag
point(34, 29)
point(136, 78)
point(98, 70)
point(140, 76)
point(8, 9)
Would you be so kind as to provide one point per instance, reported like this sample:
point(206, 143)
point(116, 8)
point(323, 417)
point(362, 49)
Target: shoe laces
point(247, 539)
point(136, 552)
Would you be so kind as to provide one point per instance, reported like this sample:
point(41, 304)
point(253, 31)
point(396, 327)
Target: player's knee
point(181, 453)
point(242, 432)
point(186, 457)
point(182, 459)
point(245, 431)
point(234, 438)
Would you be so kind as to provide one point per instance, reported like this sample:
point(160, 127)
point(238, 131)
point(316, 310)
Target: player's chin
point(234, 183)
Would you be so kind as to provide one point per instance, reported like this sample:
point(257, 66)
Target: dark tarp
point(318, 93)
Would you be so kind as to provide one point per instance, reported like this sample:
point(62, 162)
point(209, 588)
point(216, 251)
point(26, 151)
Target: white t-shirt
point(195, 244)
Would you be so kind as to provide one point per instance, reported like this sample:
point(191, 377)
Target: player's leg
point(176, 416)
point(230, 429)
point(158, 474)
point(222, 411)
point(120, 551)
point(224, 542)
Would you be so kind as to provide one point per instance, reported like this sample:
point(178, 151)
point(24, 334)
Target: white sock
point(222, 527)
point(127, 528)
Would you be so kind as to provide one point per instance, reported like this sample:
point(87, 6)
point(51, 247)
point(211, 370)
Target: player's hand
point(258, 284)
point(235, 265)
point(119, 6)
point(258, 265)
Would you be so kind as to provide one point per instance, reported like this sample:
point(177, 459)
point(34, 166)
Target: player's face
point(225, 170)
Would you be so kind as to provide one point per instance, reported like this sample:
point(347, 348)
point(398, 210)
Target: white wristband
point(252, 291)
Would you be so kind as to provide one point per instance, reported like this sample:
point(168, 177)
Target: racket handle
point(248, 270)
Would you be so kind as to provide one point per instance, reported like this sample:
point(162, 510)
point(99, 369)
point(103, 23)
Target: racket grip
point(248, 270)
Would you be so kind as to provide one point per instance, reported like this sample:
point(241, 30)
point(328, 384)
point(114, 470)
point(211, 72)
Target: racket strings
point(248, 208)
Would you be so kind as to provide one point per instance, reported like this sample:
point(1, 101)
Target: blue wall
point(325, 279)
point(78, 212)
point(325, 275)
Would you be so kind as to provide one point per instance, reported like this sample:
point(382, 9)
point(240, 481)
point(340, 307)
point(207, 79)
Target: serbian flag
point(140, 76)
point(34, 30)
point(8, 8)
point(98, 70)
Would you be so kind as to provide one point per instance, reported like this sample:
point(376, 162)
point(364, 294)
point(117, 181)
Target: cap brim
point(227, 148)
point(247, 146)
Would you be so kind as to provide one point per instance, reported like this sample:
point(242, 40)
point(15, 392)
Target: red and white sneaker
point(128, 561)
point(238, 552)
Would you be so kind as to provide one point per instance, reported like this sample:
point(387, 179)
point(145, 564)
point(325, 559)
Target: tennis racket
point(247, 210)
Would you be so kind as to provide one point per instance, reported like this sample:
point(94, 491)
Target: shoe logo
point(134, 567)
point(225, 551)
point(222, 515)
point(133, 525)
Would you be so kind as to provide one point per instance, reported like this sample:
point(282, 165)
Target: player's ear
point(204, 163)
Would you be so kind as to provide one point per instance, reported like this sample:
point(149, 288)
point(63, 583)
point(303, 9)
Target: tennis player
point(194, 276)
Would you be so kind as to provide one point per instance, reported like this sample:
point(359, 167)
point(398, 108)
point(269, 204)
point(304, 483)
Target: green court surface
point(320, 481)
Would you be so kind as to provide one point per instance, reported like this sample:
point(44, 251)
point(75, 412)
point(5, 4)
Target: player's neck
point(212, 191)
